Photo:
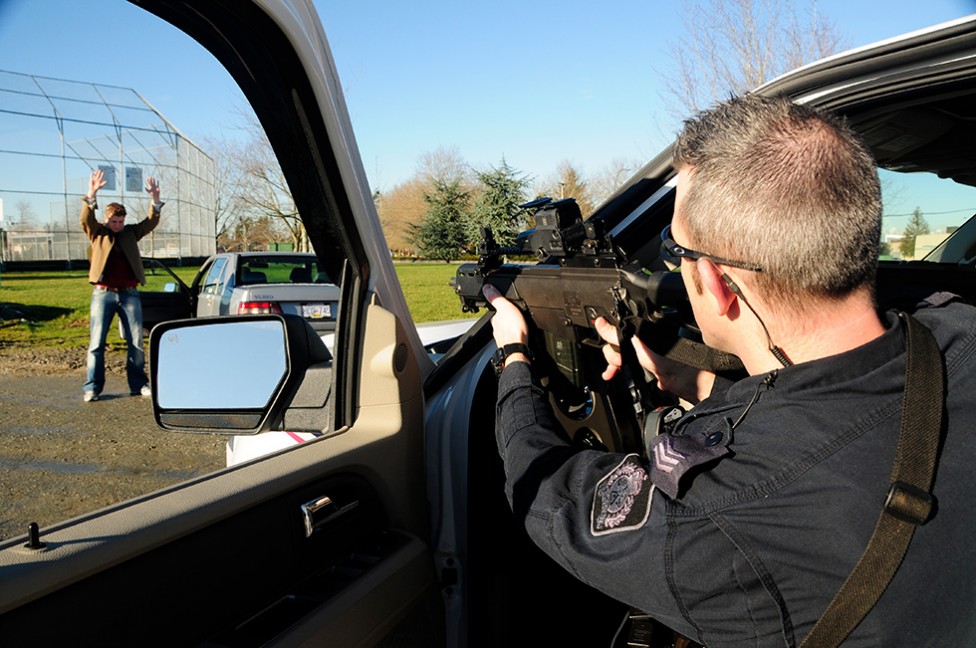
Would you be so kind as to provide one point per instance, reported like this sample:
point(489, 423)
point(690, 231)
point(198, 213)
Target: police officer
point(756, 506)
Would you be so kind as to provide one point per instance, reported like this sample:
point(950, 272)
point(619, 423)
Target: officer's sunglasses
point(672, 253)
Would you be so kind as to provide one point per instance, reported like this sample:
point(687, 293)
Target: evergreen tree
point(916, 226)
point(441, 234)
point(497, 206)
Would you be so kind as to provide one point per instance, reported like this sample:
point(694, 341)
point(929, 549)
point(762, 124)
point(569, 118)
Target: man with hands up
point(116, 270)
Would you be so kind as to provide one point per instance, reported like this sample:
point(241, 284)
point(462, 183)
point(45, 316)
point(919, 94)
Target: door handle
point(322, 511)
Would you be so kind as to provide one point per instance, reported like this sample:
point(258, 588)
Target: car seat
point(300, 275)
point(251, 277)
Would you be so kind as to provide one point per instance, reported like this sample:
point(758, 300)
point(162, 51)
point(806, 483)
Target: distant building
point(893, 241)
point(924, 243)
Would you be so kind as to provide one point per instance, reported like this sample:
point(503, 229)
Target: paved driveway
point(61, 457)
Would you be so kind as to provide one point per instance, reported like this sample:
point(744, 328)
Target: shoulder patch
point(622, 500)
point(939, 299)
point(672, 456)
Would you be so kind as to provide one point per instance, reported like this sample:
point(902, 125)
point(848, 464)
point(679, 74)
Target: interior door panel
point(227, 559)
point(163, 306)
point(211, 584)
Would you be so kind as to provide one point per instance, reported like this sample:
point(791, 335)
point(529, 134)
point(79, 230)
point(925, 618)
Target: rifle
point(580, 276)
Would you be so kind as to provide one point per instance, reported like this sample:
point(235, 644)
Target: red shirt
point(118, 273)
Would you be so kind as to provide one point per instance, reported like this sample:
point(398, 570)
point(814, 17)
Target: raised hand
point(152, 188)
point(95, 182)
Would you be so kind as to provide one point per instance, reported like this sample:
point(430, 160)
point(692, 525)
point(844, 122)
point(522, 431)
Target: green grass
point(51, 308)
point(428, 292)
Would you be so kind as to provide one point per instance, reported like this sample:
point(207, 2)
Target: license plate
point(317, 311)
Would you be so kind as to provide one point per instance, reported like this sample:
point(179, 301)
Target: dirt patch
point(61, 457)
point(18, 360)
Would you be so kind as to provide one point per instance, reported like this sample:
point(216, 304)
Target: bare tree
point(264, 189)
point(26, 216)
point(227, 208)
point(251, 233)
point(398, 209)
point(567, 182)
point(444, 164)
point(607, 180)
point(252, 194)
point(732, 46)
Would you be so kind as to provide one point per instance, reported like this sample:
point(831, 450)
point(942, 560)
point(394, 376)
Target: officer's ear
point(719, 286)
point(734, 287)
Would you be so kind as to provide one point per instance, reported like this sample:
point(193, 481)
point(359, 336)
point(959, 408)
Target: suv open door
point(326, 542)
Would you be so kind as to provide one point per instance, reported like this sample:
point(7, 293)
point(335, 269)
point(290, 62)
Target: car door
point(228, 283)
point(159, 306)
point(208, 302)
point(226, 559)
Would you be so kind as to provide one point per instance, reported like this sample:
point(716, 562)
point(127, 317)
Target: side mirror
point(239, 375)
point(169, 287)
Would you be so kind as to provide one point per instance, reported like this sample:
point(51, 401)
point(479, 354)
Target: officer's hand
point(685, 382)
point(507, 324)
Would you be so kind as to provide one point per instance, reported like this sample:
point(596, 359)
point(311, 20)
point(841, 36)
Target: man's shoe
point(145, 391)
point(90, 396)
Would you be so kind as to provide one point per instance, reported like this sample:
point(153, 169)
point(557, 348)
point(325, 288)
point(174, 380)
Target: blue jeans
point(105, 304)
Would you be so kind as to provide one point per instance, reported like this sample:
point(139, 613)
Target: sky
point(536, 81)
point(531, 82)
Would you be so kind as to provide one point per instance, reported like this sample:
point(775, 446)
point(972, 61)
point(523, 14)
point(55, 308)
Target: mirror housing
point(239, 375)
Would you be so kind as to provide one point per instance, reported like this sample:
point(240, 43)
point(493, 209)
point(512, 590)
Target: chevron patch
point(666, 458)
point(672, 456)
point(622, 500)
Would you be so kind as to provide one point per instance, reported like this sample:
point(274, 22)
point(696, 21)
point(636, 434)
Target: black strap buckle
point(908, 503)
point(661, 419)
point(501, 355)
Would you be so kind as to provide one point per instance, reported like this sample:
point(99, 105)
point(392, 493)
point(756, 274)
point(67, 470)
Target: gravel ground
point(27, 361)
point(61, 457)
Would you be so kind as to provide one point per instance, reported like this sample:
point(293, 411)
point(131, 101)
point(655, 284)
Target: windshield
point(281, 269)
point(927, 218)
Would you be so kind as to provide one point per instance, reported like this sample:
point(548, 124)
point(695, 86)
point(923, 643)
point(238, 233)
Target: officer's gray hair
point(787, 187)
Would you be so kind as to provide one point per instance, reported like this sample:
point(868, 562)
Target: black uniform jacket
point(753, 542)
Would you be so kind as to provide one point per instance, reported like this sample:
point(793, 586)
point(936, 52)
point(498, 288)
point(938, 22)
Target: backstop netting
point(55, 132)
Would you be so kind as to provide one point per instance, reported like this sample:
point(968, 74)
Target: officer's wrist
point(516, 357)
point(512, 352)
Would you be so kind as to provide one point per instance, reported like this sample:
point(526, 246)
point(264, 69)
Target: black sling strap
point(909, 502)
point(705, 357)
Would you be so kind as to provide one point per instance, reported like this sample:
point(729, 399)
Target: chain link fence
point(55, 132)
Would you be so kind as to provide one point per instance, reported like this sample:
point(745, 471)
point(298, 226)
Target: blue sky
point(533, 82)
point(537, 82)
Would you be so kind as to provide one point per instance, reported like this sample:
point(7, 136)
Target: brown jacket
point(102, 242)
